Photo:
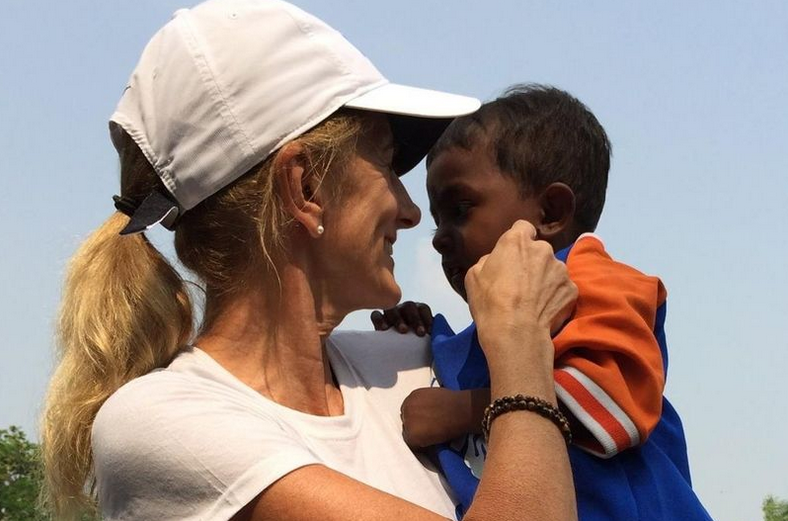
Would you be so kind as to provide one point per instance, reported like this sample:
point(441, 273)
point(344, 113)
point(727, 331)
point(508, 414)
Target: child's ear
point(558, 210)
point(295, 187)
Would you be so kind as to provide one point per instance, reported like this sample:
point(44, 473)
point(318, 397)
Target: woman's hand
point(518, 294)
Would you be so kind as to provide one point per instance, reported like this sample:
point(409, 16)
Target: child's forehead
point(458, 171)
point(476, 144)
point(457, 164)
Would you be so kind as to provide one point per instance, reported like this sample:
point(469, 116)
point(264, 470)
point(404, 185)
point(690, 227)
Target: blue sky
point(692, 94)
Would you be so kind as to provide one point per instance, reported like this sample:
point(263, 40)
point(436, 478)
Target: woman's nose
point(409, 213)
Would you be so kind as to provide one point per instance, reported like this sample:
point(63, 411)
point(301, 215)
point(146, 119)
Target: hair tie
point(157, 208)
point(125, 205)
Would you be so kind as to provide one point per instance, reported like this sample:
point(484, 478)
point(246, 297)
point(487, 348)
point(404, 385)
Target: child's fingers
point(425, 313)
point(394, 319)
point(378, 321)
point(410, 314)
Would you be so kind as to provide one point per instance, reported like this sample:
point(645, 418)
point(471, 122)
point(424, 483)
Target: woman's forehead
point(376, 135)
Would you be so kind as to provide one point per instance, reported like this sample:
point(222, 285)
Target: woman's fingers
point(563, 301)
point(519, 286)
point(524, 227)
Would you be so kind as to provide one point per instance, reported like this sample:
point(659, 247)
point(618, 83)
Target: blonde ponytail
point(125, 311)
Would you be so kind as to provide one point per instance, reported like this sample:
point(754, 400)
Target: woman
point(272, 148)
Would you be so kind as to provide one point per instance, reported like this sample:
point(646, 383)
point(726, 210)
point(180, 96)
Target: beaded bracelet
point(525, 403)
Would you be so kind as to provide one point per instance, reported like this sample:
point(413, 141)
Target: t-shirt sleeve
point(609, 370)
point(165, 448)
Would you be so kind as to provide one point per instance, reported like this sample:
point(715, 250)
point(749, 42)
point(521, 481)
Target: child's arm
point(434, 414)
point(437, 415)
point(408, 316)
point(609, 370)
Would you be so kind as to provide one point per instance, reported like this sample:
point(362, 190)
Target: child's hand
point(436, 415)
point(408, 316)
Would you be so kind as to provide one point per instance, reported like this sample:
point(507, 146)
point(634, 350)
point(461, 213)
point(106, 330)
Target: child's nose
point(441, 241)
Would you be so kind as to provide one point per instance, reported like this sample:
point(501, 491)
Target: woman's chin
point(389, 295)
point(384, 294)
point(392, 298)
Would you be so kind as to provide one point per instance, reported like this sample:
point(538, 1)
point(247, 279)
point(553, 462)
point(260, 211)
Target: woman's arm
point(526, 477)
point(519, 294)
point(317, 493)
point(530, 481)
point(527, 474)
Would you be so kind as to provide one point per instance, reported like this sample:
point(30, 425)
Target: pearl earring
point(320, 229)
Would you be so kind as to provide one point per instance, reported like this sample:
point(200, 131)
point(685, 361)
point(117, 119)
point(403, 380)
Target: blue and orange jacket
point(629, 459)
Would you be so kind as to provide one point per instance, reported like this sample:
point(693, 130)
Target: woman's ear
point(295, 188)
point(558, 209)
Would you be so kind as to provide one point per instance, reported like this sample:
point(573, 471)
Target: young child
point(538, 154)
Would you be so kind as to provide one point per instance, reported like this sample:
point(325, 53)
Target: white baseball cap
point(228, 82)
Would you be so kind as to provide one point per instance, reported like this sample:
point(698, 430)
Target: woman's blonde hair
point(126, 311)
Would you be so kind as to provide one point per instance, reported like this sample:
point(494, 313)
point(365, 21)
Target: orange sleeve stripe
point(612, 429)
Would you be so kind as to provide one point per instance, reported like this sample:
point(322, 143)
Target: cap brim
point(413, 101)
point(417, 116)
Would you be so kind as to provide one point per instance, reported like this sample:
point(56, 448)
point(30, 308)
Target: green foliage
point(20, 477)
point(775, 509)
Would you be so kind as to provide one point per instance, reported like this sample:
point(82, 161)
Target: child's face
point(472, 204)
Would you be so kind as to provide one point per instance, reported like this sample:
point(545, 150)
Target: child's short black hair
point(540, 135)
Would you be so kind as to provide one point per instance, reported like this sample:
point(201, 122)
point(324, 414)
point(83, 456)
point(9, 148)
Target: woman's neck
point(277, 346)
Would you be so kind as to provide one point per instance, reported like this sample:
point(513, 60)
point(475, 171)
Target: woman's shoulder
point(403, 346)
point(383, 351)
point(382, 361)
point(165, 407)
point(215, 443)
point(168, 387)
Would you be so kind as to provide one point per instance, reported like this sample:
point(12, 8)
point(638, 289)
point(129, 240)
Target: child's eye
point(454, 212)
point(462, 209)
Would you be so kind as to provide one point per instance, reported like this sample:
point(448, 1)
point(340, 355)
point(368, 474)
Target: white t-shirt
point(191, 441)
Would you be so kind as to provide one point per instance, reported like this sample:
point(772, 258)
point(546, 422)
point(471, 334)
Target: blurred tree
point(20, 477)
point(775, 509)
